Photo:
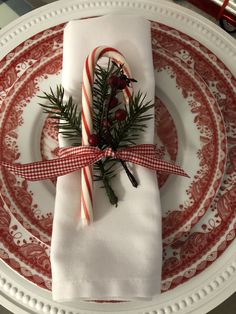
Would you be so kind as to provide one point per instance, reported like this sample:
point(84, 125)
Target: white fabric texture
point(118, 256)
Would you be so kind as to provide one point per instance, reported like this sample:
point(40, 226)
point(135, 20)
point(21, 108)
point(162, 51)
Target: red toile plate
point(197, 141)
point(188, 105)
point(32, 67)
point(23, 252)
point(208, 239)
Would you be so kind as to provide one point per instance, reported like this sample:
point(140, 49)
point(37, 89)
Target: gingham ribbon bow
point(74, 158)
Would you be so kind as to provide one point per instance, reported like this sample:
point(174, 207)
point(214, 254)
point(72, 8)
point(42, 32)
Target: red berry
point(113, 103)
point(93, 140)
point(108, 139)
point(113, 80)
point(122, 83)
point(106, 123)
point(120, 114)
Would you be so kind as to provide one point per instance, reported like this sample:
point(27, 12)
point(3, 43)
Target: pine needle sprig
point(127, 132)
point(101, 93)
point(105, 175)
point(64, 114)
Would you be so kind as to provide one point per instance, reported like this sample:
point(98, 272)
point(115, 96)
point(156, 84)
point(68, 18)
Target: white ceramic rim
point(218, 281)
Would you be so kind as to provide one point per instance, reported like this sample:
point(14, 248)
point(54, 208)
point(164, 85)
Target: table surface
point(12, 9)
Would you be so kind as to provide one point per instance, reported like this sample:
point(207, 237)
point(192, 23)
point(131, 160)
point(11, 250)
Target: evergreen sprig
point(127, 132)
point(64, 114)
point(115, 124)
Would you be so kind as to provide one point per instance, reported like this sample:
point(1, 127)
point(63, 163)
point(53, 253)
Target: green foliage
point(119, 134)
point(127, 132)
point(63, 114)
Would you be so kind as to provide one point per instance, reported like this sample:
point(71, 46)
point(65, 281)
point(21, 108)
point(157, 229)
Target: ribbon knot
point(108, 152)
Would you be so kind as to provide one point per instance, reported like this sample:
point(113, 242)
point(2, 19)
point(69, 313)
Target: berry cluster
point(116, 82)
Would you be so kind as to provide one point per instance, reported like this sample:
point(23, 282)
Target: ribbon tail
point(154, 163)
point(163, 166)
point(49, 169)
point(37, 171)
point(170, 168)
point(167, 167)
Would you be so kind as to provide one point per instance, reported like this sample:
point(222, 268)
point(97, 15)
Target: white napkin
point(118, 256)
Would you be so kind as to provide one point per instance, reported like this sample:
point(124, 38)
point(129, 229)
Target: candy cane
point(87, 120)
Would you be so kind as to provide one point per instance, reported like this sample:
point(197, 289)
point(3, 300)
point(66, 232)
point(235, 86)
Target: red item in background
point(220, 9)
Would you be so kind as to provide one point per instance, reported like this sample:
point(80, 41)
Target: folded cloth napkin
point(118, 256)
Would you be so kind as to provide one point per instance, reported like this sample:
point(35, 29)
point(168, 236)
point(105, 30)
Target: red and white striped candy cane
point(87, 120)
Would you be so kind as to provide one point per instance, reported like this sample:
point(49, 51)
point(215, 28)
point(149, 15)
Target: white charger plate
point(184, 300)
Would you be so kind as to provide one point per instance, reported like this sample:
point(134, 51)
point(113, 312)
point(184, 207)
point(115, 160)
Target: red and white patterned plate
point(33, 66)
point(205, 161)
point(23, 252)
point(46, 70)
point(210, 237)
point(199, 124)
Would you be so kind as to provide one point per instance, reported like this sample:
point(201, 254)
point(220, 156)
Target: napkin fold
point(118, 256)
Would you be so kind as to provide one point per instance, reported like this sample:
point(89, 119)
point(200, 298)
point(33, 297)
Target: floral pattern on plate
point(214, 232)
point(22, 73)
point(205, 179)
point(22, 251)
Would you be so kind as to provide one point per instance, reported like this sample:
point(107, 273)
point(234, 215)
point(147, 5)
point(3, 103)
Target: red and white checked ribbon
point(87, 120)
point(74, 158)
